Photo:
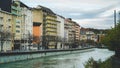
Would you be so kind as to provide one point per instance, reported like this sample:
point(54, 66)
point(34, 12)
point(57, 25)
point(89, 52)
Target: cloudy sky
point(88, 13)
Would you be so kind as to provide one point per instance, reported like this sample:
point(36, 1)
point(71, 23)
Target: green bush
point(91, 63)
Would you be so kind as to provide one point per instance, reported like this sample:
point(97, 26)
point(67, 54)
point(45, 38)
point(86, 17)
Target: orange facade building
point(37, 25)
point(36, 31)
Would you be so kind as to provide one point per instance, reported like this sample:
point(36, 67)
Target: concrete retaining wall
point(18, 56)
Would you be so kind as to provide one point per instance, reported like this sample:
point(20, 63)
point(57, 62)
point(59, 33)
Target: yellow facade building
point(51, 30)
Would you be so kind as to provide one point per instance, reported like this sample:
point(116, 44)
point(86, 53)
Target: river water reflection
point(62, 61)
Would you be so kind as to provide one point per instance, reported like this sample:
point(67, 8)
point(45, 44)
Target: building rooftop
point(5, 12)
point(44, 9)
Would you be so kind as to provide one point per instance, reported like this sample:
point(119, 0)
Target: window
point(9, 26)
point(9, 20)
point(18, 31)
point(1, 20)
point(17, 21)
point(17, 26)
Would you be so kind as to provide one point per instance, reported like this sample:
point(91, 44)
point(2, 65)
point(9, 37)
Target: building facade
point(26, 26)
point(48, 29)
point(69, 33)
point(88, 37)
point(50, 22)
point(66, 34)
point(77, 34)
point(13, 6)
point(60, 32)
point(6, 31)
point(37, 27)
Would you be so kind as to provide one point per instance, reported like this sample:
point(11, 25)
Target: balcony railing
point(53, 27)
point(52, 23)
point(49, 30)
point(16, 8)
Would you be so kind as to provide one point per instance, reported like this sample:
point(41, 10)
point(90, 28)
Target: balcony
point(51, 34)
point(16, 8)
point(48, 17)
point(15, 13)
point(51, 15)
point(53, 27)
point(51, 31)
point(52, 20)
point(52, 23)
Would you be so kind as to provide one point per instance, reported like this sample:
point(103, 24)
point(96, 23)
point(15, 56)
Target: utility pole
point(114, 18)
point(119, 17)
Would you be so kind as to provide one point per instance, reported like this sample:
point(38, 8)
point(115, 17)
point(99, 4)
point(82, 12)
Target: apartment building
point(60, 32)
point(50, 22)
point(13, 7)
point(69, 32)
point(48, 30)
point(6, 31)
point(86, 34)
point(37, 27)
point(26, 26)
point(66, 33)
point(77, 34)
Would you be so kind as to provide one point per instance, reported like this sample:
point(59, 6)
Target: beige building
point(37, 27)
point(69, 32)
point(86, 35)
point(72, 33)
point(6, 31)
point(48, 29)
point(77, 33)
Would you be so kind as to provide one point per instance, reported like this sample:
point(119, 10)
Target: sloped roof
point(45, 9)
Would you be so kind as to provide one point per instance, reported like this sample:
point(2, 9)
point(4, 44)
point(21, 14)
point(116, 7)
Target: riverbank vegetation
point(91, 63)
point(112, 40)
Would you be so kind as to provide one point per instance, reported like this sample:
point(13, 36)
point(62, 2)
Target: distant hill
point(98, 31)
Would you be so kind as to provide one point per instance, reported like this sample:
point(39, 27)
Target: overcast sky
point(88, 13)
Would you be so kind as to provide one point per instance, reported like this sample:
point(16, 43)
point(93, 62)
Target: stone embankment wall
point(18, 56)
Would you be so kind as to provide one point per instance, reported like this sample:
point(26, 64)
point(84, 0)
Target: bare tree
point(30, 39)
point(4, 36)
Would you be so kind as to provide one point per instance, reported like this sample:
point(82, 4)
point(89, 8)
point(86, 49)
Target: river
point(76, 60)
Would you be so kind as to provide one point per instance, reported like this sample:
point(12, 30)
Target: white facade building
point(60, 31)
point(27, 26)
